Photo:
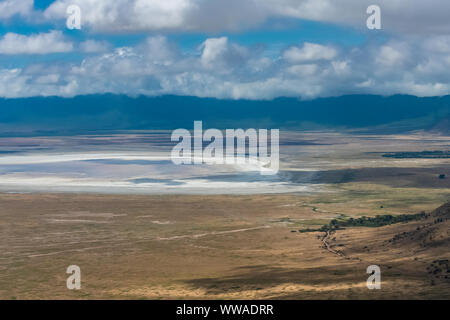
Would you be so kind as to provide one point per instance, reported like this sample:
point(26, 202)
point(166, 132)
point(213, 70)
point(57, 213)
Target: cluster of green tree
point(423, 154)
point(377, 221)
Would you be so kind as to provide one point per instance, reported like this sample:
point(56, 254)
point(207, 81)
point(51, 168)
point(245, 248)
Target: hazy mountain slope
point(118, 112)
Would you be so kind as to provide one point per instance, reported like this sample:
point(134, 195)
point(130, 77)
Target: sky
point(227, 49)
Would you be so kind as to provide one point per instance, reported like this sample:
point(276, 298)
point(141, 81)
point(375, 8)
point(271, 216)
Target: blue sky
point(224, 49)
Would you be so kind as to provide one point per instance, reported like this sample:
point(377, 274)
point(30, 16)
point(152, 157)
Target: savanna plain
point(292, 240)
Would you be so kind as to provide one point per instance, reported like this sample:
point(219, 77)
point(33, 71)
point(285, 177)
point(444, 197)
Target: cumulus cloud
point(411, 17)
point(126, 15)
point(303, 69)
point(13, 83)
point(223, 69)
point(413, 58)
point(158, 50)
point(213, 49)
point(309, 52)
point(399, 16)
point(389, 56)
point(41, 43)
point(11, 8)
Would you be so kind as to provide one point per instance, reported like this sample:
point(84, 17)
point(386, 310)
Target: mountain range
point(105, 113)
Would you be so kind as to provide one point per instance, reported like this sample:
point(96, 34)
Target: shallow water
point(131, 172)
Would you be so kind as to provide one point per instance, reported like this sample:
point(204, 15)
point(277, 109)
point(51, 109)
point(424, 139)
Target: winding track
point(328, 246)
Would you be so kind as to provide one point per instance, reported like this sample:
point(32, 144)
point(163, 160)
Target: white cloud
point(389, 56)
point(10, 8)
point(309, 52)
point(220, 56)
point(303, 69)
point(213, 48)
point(411, 17)
point(158, 50)
point(398, 16)
point(42, 43)
point(341, 67)
point(126, 15)
point(47, 79)
point(223, 69)
point(414, 59)
point(13, 83)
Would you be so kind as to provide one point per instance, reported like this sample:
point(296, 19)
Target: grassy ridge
point(373, 222)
